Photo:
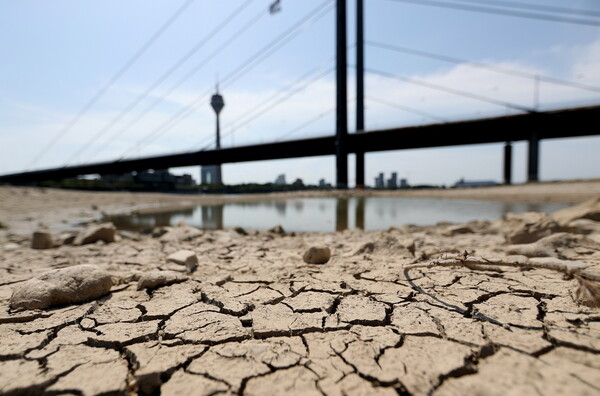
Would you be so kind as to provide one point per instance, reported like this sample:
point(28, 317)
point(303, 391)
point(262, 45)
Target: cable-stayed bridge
point(531, 124)
point(531, 127)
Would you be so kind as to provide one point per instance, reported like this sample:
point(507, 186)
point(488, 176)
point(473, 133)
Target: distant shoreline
point(25, 209)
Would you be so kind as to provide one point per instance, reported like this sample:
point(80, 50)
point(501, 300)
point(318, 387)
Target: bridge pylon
point(341, 122)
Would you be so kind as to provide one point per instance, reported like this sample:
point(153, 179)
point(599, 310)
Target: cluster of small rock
point(102, 232)
point(240, 312)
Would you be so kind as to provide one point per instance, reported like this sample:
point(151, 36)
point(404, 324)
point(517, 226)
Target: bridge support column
point(341, 127)
point(360, 96)
point(508, 163)
point(533, 157)
point(360, 170)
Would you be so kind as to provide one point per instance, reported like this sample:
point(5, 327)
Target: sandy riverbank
point(241, 313)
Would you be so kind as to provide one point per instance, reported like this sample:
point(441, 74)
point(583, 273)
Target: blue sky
point(57, 55)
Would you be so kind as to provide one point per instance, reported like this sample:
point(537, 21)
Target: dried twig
point(588, 292)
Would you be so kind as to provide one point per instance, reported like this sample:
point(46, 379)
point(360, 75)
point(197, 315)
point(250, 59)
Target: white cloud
point(19, 144)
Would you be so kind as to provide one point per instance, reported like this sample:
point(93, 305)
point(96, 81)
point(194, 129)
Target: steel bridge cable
point(279, 42)
point(497, 11)
point(187, 110)
point(270, 100)
point(290, 86)
point(408, 109)
point(205, 146)
point(277, 103)
point(188, 75)
point(296, 129)
point(307, 123)
point(183, 112)
point(156, 83)
point(240, 124)
point(513, 72)
point(451, 90)
point(250, 114)
point(258, 57)
point(320, 133)
point(269, 53)
point(190, 108)
point(279, 93)
point(542, 8)
point(136, 56)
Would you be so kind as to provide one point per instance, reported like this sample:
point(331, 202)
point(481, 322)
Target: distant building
point(379, 181)
point(324, 184)
point(210, 174)
point(478, 183)
point(403, 183)
point(321, 182)
point(280, 181)
point(123, 178)
point(392, 182)
point(186, 180)
point(160, 179)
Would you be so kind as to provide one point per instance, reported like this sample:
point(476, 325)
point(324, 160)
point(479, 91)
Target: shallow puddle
point(330, 214)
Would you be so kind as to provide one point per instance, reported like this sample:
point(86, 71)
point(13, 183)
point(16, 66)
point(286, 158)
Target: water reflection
point(139, 221)
point(212, 217)
point(329, 214)
point(281, 207)
point(299, 206)
point(360, 213)
point(341, 214)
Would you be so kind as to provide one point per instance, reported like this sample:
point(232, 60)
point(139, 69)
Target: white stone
point(101, 232)
point(63, 286)
point(184, 257)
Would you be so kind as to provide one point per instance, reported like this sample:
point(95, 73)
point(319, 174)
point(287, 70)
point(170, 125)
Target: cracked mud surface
point(255, 319)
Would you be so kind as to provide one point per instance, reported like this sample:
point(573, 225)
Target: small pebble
point(42, 240)
point(317, 255)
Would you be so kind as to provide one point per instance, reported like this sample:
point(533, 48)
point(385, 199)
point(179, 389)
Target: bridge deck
point(549, 125)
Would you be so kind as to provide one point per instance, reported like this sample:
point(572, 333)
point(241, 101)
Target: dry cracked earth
point(254, 319)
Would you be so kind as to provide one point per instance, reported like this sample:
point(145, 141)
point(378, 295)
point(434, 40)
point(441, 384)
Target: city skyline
point(38, 101)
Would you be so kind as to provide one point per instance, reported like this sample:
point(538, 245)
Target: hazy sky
point(58, 55)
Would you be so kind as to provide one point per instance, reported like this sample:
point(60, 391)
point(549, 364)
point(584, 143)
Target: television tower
point(217, 104)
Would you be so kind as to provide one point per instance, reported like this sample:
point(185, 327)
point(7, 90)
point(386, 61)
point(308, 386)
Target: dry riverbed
point(183, 311)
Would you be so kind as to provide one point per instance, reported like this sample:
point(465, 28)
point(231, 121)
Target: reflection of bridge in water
point(212, 217)
point(326, 214)
point(148, 220)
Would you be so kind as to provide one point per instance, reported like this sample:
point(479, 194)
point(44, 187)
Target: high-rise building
point(280, 181)
point(392, 182)
point(323, 184)
point(209, 174)
point(379, 181)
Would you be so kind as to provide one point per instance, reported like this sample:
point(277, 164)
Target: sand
point(254, 319)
